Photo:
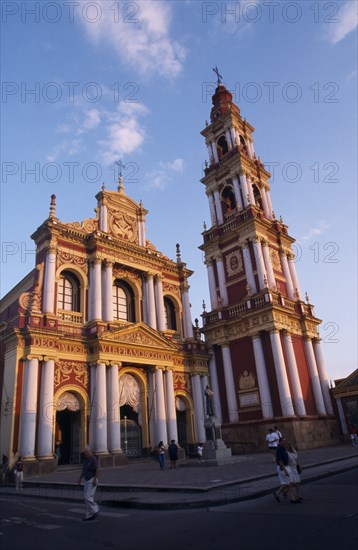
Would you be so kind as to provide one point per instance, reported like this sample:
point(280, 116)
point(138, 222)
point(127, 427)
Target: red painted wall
point(303, 372)
point(271, 373)
point(243, 358)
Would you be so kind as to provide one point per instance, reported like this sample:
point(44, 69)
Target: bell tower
point(266, 362)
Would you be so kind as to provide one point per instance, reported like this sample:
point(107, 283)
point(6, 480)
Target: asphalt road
point(327, 519)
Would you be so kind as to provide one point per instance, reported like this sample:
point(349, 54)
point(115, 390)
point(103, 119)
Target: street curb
point(204, 503)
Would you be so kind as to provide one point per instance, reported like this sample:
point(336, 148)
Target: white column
point(141, 227)
point(233, 136)
point(108, 293)
point(268, 265)
point(299, 403)
point(250, 190)
point(160, 406)
point(158, 287)
point(244, 189)
point(248, 268)
point(114, 421)
point(219, 214)
point(152, 409)
point(265, 204)
point(215, 152)
point(100, 409)
point(212, 209)
point(281, 375)
point(171, 410)
point(222, 282)
point(152, 321)
point(323, 376)
point(199, 416)
point(49, 281)
point(228, 139)
point(287, 274)
point(212, 284)
point(317, 392)
point(237, 192)
point(268, 197)
point(294, 278)
point(215, 386)
point(96, 290)
point(188, 326)
point(45, 432)
point(229, 385)
point(93, 411)
point(250, 147)
point(145, 300)
point(210, 153)
point(29, 408)
point(141, 233)
point(204, 382)
point(90, 292)
point(259, 262)
point(262, 380)
point(342, 417)
point(103, 218)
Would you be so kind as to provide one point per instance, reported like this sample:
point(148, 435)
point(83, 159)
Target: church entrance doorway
point(131, 438)
point(182, 431)
point(68, 429)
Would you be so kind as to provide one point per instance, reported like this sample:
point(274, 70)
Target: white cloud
point(139, 33)
point(125, 133)
point(313, 232)
point(232, 17)
point(176, 165)
point(68, 147)
point(162, 176)
point(92, 119)
point(347, 22)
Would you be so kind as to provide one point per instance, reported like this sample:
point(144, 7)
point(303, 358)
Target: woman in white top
point(295, 476)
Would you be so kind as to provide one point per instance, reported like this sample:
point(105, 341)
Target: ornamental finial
point(120, 165)
point(178, 253)
point(53, 207)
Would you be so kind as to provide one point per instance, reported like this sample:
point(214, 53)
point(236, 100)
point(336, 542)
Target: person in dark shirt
point(173, 453)
point(90, 475)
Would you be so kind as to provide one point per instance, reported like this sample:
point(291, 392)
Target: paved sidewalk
point(141, 483)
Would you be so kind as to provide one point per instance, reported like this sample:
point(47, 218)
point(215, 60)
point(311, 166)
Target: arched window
point(123, 302)
point(222, 146)
point(257, 195)
point(243, 144)
point(169, 315)
point(228, 197)
point(68, 292)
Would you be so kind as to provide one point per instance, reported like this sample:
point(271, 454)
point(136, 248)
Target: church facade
point(98, 345)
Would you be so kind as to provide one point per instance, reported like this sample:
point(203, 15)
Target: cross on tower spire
point(216, 71)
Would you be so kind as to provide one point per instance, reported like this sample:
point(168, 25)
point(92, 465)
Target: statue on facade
point(209, 401)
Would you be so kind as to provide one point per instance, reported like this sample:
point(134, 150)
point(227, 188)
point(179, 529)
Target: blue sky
point(133, 81)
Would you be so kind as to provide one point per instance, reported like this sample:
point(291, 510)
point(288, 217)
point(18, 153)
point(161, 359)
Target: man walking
point(90, 475)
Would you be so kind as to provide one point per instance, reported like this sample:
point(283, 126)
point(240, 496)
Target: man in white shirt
point(272, 442)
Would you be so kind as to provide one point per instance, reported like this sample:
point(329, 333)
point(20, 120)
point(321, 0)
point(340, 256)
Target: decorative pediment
point(349, 384)
point(139, 334)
